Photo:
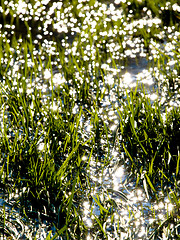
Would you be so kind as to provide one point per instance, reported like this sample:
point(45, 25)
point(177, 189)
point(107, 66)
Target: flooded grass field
point(90, 119)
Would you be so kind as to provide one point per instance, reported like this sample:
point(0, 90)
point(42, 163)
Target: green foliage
point(54, 131)
point(150, 142)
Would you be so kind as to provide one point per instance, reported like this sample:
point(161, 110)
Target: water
point(112, 183)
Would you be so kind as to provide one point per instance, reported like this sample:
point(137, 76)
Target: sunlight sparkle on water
point(89, 237)
point(63, 21)
point(86, 207)
point(153, 96)
point(128, 80)
point(142, 232)
point(117, 177)
point(47, 74)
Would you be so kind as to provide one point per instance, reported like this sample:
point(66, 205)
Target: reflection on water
point(132, 207)
point(127, 207)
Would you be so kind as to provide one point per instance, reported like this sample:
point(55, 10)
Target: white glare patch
point(119, 1)
point(89, 128)
point(47, 74)
point(140, 196)
point(75, 109)
point(21, 7)
point(145, 77)
point(113, 127)
point(176, 7)
point(45, 2)
point(58, 79)
point(170, 207)
point(54, 107)
point(88, 222)
point(109, 79)
point(117, 177)
point(161, 216)
point(142, 232)
point(153, 96)
point(89, 237)
point(129, 80)
point(86, 207)
point(41, 146)
point(161, 205)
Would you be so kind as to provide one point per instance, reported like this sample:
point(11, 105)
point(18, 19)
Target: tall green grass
point(46, 152)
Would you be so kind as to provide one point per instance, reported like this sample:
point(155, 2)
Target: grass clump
point(150, 139)
point(69, 120)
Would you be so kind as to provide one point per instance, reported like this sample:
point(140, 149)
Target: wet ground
point(134, 68)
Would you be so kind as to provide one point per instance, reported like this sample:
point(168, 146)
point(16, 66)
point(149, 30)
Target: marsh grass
point(153, 140)
point(57, 140)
